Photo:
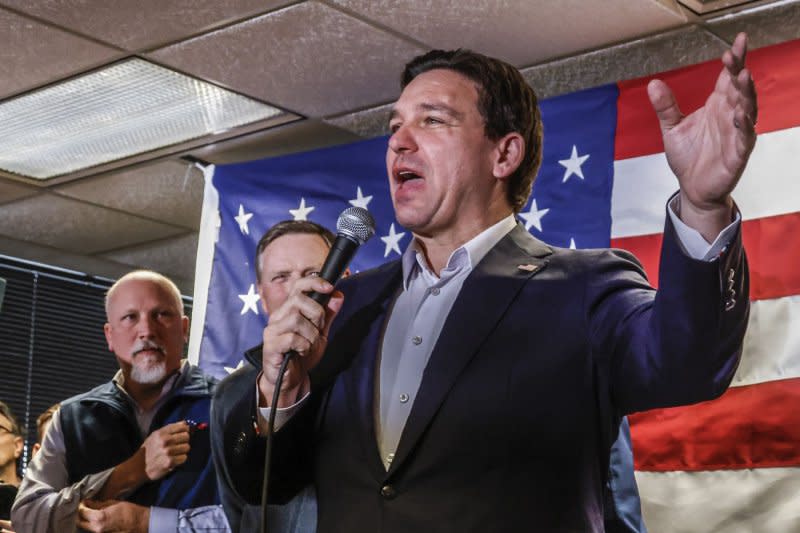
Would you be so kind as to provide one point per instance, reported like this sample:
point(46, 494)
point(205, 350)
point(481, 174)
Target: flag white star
point(232, 369)
point(392, 241)
point(360, 200)
point(573, 164)
point(301, 213)
point(242, 219)
point(250, 300)
point(534, 216)
point(572, 244)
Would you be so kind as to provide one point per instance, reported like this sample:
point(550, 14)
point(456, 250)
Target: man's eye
point(313, 274)
point(280, 278)
point(393, 127)
point(433, 120)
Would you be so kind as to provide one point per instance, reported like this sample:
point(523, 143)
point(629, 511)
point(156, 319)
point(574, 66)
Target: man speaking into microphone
point(477, 384)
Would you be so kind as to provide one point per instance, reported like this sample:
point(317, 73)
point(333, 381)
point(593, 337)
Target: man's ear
point(509, 152)
point(185, 327)
point(107, 331)
point(18, 445)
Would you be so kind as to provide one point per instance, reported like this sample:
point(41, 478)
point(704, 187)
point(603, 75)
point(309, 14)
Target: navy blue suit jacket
point(523, 394)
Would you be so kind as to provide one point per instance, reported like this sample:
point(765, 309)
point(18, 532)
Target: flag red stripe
point(771, 244)
point(773, 69)
point(748, 427)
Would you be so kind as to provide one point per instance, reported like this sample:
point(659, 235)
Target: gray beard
point(149, 374)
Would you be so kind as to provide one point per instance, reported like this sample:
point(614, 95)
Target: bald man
point(132, 454)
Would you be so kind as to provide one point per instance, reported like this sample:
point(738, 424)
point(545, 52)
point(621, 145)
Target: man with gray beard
point(132, 454)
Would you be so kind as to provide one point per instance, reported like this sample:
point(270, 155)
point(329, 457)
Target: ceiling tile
point(767, 25)
point(630, 60)
point(174, 257)
point(368, 123)
point(59, 222)
point(32, 53)
point(634, 59)
point(57, 258)
point(522, 33)
point(308, 58)
point(299, 136)
point(139, 24)
point(169, 191)
point(10, 191)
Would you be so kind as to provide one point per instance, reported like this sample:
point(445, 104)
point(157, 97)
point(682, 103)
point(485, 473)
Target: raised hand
point(708, 150)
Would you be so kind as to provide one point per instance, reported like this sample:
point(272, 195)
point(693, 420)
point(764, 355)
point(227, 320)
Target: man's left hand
point(113, 515)
point(708, 149)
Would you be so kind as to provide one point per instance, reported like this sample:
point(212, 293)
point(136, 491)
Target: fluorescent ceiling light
point(125, 109)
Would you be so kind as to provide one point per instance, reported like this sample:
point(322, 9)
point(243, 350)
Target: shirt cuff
point(693, 243)
point(163, 520)
point(283, 415)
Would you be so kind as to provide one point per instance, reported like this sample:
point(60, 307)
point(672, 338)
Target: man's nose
point(147, 326)
point(402, 140)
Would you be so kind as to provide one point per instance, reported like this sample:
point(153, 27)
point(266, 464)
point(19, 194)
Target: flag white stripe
point(760, 500)
point(770, 186)
point(772, 343)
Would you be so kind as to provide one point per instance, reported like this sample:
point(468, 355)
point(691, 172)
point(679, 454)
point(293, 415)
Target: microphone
point(354, 227)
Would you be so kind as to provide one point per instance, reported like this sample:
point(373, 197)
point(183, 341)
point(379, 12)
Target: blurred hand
point(113, 516)
point(5, 526)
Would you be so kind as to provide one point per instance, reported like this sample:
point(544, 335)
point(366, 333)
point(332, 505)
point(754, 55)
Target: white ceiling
point(332, 65)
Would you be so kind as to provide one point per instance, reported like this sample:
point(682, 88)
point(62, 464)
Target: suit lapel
point(486, 294)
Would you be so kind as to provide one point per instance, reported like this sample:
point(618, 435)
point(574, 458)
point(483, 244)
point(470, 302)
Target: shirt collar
point(467, 255)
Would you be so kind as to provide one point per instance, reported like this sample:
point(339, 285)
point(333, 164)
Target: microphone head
point(357, 224)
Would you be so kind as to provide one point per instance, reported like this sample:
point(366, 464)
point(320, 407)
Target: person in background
point(42, 423)
point(288, 251)
point(11, 445)
point(132, 454)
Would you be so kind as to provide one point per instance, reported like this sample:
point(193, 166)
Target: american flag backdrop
point(729, 465)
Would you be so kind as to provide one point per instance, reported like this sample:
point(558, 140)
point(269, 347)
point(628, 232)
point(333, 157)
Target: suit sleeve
point(676, 346)
point(238, 450)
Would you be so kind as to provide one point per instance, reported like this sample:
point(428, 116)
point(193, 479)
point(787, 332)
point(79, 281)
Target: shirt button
point(416, 339)
point(388, 492)
point(435, 291)
point(403, 398)
point(390, 458)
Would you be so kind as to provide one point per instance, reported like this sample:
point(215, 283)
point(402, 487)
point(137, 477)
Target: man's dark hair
point(44, 419)
point(505, 100)
point(287, 227)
